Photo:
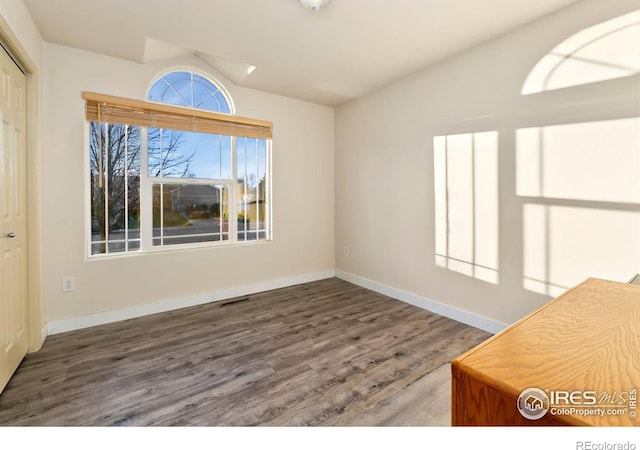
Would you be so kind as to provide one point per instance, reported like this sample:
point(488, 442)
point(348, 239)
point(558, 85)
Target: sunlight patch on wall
point(466, 204)
point(592, 161)
point(582, 215)
point(565, 245)
point(605, 51)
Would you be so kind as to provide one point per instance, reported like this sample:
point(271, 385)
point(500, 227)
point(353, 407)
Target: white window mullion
point(105, 174)
point(88, 194)
point(163, 157)
point(126, 188)
point(233, 195)
point(180, 180)
point(161, 211)
point(268, 189)
point(146, 194)
point(244, 189)
point(257, 225)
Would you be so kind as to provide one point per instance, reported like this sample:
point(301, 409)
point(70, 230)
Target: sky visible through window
point(203, 155)
point(189, 90)
point(195, 155)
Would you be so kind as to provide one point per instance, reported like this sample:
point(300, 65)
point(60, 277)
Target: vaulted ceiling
point(341, 52)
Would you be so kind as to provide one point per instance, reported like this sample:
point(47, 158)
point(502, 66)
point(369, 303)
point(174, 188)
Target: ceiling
point(341, 52)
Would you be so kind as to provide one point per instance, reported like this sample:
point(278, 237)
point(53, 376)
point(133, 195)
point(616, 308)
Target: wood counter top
point(587, 339)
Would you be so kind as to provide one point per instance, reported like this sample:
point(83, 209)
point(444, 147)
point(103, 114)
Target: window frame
point(146, 195)
point(221, 88)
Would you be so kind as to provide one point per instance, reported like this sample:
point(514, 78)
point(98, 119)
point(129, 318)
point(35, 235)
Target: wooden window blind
point(106, 108)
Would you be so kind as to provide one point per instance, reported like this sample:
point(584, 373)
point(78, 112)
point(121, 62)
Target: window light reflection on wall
point(605, 51)
point(466, 204)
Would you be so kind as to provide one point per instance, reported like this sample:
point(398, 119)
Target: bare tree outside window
point(114, 155)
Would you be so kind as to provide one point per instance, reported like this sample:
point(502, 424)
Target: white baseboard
point(101, 318)
point(433, 306)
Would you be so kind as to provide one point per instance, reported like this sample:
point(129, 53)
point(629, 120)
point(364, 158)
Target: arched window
point(190, 90)
point(605, 51)
point(173, 178)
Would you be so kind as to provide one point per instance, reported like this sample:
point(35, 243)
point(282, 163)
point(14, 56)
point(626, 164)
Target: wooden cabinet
point(582, 350)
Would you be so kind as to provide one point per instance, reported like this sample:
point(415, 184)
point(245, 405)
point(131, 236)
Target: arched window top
point(185, 88)
point(605, 51)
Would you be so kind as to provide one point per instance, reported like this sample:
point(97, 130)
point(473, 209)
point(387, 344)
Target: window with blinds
point(173, 174)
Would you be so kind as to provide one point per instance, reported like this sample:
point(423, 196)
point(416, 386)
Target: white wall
point(303, 195)
point(17, 17)
point(384, 162)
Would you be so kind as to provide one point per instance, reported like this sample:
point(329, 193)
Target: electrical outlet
point(68, 284)
point(345, 251)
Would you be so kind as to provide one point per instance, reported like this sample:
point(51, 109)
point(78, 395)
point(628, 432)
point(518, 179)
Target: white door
point(13, 219)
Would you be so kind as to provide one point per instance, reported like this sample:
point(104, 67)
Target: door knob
point(10, 235)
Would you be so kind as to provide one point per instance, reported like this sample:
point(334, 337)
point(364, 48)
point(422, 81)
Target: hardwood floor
point(322, 353)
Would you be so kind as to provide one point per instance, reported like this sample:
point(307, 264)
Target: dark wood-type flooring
point(322, 353)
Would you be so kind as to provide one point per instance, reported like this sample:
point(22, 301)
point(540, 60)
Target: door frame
point(37, 331)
